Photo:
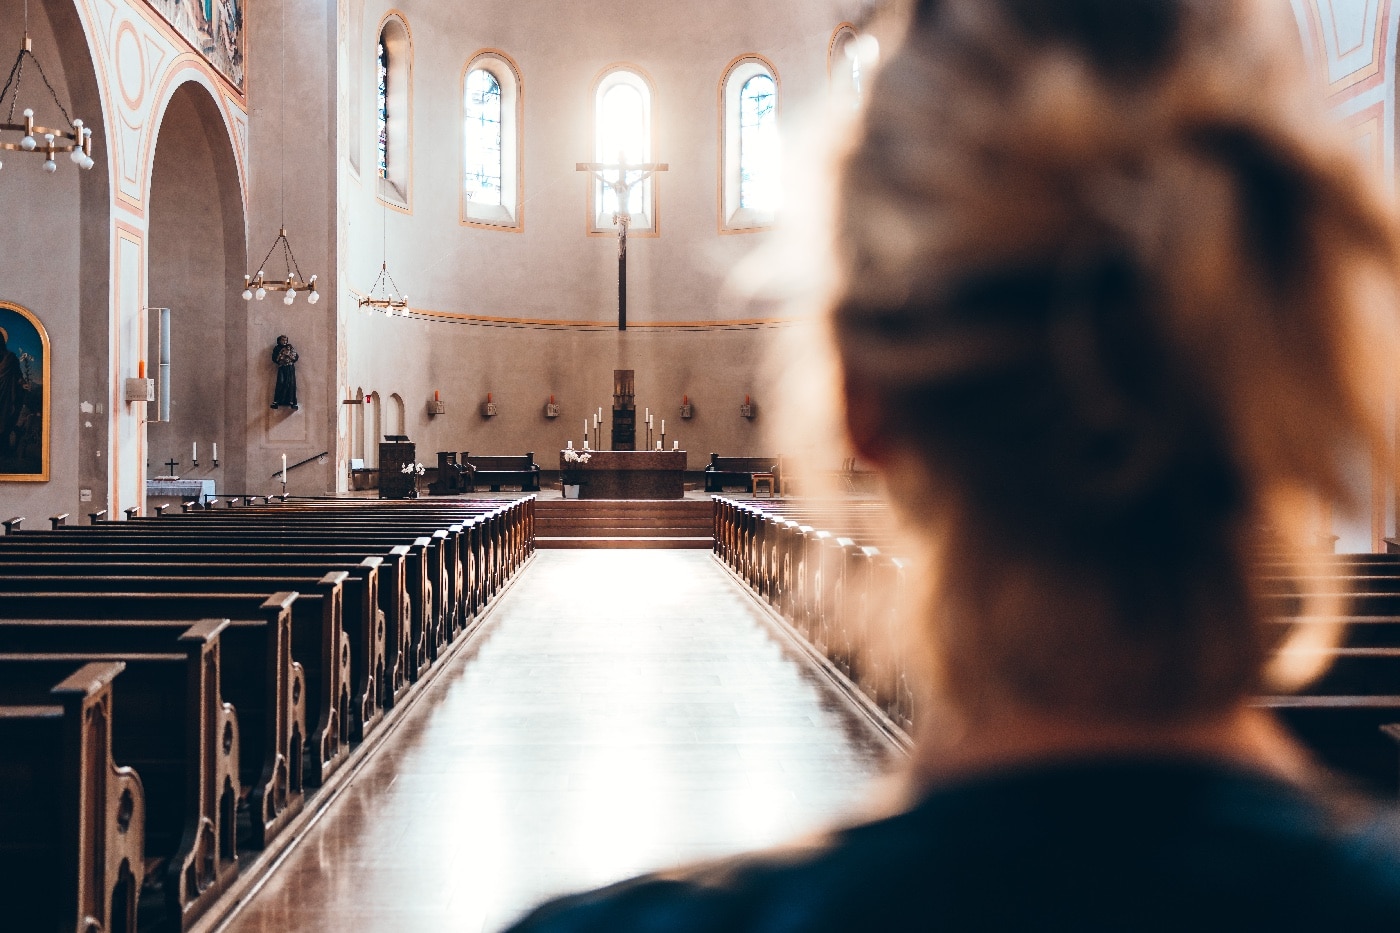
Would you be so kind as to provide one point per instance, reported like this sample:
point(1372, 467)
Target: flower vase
point(571, 490)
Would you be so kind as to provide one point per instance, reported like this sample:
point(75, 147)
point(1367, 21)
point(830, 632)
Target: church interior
point(348, 301)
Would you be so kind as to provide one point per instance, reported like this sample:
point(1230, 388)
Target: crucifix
point(627, 177)
point(172, 463)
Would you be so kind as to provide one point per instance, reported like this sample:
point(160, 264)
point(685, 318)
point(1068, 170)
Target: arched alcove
point(357, 426)
point(396, 413)
point(197, 259)
point(374, 428)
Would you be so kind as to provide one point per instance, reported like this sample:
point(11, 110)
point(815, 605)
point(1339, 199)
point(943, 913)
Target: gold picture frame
point(26, 419)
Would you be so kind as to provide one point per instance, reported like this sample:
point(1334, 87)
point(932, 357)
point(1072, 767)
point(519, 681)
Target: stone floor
point(624, 710)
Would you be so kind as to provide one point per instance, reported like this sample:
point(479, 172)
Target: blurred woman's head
point(1112, 301)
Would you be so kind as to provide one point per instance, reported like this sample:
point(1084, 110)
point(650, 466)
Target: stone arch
point(196, 259)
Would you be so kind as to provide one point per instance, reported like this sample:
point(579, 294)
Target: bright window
point(622, 133)
point(483, 138)
point(758, 144)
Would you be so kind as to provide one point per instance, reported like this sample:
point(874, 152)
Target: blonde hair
point(1123, 302)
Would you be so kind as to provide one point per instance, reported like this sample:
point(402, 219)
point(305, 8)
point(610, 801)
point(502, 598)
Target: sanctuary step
point(619, 523)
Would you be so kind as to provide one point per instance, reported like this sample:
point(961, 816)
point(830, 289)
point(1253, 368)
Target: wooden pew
point(169, 722)
point(259, 677)
point(503, 470)
point(73, 824)
point(318, 642)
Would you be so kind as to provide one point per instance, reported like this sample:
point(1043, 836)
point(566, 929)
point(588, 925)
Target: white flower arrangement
point(417, 468)
point(577, 456)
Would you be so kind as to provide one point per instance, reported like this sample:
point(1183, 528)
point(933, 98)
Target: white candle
point(663, 425)
point(194, 451)
point(675, 445)
point(600, 413)
point(648, 416)
point(571, 445)
point(216, 450)
point(284, 469)
point(585, 428)
point(658, 445)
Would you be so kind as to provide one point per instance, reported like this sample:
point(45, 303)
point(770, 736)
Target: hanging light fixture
point(258, 284)
point(384, 294)
point(34, 138)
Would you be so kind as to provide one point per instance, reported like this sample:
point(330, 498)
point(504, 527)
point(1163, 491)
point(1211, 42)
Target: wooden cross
point(172, 463)
point(627, 177)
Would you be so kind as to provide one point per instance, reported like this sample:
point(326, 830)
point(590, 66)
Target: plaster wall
point(53, 262)
point(293, 126)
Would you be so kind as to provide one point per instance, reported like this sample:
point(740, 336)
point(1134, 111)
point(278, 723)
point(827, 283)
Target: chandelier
point(34, 138)
point(258, 285)
point(384, 294)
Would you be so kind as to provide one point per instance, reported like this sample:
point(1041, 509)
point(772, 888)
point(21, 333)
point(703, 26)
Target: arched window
point(623, 131)
point(491, 123)
point(758, 144)
point(850, 57)
point(394, 106)
point(751, 158)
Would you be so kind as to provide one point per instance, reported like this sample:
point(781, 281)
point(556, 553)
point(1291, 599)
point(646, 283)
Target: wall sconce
point(140, 389)
point(746, 409)
point(436, 406)
point(686, 408)
point(551, 410)
point(488, 408)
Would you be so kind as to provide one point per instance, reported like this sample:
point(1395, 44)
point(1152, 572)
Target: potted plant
point(416, 470)
point(573, 477)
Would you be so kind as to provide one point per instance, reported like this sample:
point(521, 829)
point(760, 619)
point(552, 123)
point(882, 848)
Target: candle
point(216, 450)
point(436, 396)
point(585, 428)
point(685, 399)
point(675, 445)
point(571, 445)
point(194, 451)
point(663, 425)
point(648, 416)
point(284, 469)
point(658, 445)
point(141, 369)
point(600, 413)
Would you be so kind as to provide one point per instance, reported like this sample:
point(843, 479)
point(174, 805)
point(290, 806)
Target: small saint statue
point(285, 356)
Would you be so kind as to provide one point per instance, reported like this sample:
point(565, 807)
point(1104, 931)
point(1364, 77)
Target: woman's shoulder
point(1090, 846)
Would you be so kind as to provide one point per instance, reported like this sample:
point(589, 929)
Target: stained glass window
point(758, 144)
point(383, 109)
point(483, 137)
point(623, 131)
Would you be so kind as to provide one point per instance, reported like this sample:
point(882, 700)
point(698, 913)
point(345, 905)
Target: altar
point(629, 474)
point(176, 491)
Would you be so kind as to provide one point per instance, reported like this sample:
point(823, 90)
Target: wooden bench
point(259, 677)
point(170, 723)
point(738, 471)
point(504, 470)
point(72, 825)
point(452, 476)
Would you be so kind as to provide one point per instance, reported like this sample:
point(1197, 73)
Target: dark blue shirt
point(1117, 845)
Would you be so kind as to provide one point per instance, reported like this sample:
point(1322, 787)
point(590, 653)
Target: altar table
point(630, 474)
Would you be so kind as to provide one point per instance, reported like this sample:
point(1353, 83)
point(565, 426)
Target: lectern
point(396, 451)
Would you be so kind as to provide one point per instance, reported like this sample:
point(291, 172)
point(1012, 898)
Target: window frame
point(509, 215)
point(647, 223)
point(732, 217)
point(395, 190)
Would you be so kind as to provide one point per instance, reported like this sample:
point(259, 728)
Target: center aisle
point(622, 711)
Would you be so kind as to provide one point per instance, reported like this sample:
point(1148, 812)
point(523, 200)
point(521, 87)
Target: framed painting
point(25, 420)
point(214, 28)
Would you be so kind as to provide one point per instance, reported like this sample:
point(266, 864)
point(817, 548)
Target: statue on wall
point(285, 356)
